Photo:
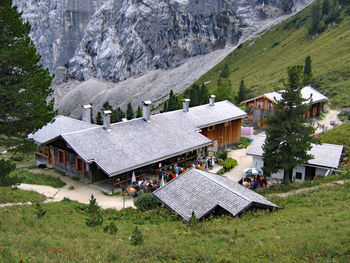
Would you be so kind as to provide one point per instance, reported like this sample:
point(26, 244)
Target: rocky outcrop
point(139, 49)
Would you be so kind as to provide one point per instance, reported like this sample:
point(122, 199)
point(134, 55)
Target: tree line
point(118, 114)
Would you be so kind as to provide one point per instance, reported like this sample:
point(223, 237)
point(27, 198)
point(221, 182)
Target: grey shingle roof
point(306, 92)
point(200, 192)
point(136, 143)
point(60, 126)
point(326, 155)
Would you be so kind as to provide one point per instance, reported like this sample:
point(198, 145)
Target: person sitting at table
point(255, 184)
point(263, 182)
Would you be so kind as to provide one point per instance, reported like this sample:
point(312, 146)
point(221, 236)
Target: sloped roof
point(136, 143)
point(326, 155)
point(201, 192)
point(306, 92)
point(60, 125)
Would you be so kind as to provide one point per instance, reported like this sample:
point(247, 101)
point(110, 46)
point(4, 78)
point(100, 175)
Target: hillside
point(312, 227)
point(262, 62)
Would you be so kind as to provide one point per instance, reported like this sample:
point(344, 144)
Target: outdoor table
point(131, 191)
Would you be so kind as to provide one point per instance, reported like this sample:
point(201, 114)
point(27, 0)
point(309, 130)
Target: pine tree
point(224, 90)
point(137, 237)
point(225, 72)
point(139, 112)
point(288, 138)
point(241, 92)
point(40, 211)
point(204, 94)
point(325, 7)
point(195, 95)
point(173, 102)
point(95, 214)
point(120, 114)
point(307, 71)
point(24, 84)
point(315, 19)
point(129, 112)
point(99, 119)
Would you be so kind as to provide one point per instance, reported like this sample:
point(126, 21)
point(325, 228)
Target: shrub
point(71, 187)
point(137, 237)
point(146, 202)
point(95, 214)
point(228, 164)
point(221, 155)
point(40, 212)
point(193, 220)
point(111, 228)
point(275, 44)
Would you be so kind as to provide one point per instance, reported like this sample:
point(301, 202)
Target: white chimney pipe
point(86, 113)
point(186, 105)
point(146, 112)
point(212, 100)
point(107, 120)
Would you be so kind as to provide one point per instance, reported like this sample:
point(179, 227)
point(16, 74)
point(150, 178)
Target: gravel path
point(81, 192)
point(298, 191)
point(332, 115)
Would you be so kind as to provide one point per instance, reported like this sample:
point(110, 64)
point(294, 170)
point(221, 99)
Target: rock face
point(139, 49)
point(57, 26)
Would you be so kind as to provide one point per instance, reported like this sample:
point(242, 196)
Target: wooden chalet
point(95, 152)
point(259, 108)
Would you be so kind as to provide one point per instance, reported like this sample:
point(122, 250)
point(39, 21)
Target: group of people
point(141, 186)
point(253, 183)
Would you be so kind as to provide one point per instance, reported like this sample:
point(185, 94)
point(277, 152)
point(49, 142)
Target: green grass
point(262, 63)
point(27, 177)
point(312, 227)
point(14, 195)
point(339, 135)
point(243, 143)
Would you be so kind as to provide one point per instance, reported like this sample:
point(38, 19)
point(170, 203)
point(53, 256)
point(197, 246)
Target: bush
point(137, 237)
point(146, 202)
point(221, 155)
point(228, 164)
point(112, 229)
point(40, 211)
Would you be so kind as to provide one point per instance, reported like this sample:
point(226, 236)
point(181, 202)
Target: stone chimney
point(107, 120)
point(186, 105)
point(146, 112)
point(86, 113)
point(212, 100)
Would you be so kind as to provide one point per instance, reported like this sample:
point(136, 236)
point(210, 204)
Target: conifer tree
point(173, 102)
point(95, 217)
point(241, 92)
point(325, 7)
point(307, 71)
point(24, 84)
point(225, 72)
point(120, 114)
point(204, 94)
point(224, 90)
point(195, 95)
point(129, 112)
point(315, 19)
point(139, 112)
point(99, 120)
point(288, 138)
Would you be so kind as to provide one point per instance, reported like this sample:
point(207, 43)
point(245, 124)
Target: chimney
point(212, 100)
point(107, 120)
point(186, 105)
point(147, 110)
point(86, 113)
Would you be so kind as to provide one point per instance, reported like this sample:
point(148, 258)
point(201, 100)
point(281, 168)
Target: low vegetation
point(286, 44)
point(228, 164)
point(311, 227)
point(14, 195)
point(27, 177)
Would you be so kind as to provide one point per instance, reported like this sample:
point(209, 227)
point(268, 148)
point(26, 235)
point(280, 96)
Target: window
point(211, 128)
point(259, 104)
point(269, 106)
point(61, 157)
point(250, 117)
point(298, 176)
point(227, 124)
point(79, 165)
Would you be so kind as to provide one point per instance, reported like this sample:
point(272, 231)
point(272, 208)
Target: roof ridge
point(222, 184)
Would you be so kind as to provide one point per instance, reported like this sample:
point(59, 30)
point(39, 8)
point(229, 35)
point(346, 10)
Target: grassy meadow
point(14, 195)
point(311, 227)
point(262, 62)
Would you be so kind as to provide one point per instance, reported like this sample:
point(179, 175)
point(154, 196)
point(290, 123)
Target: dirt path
point(332, 115)
point(298, 191)
point(244, 161)
point(81, 192)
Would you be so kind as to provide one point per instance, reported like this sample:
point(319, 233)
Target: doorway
point(309, 173)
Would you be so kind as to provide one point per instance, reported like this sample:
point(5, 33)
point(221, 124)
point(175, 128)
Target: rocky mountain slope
point(130, 50)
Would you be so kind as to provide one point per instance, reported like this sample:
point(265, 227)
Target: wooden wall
point(226, 134)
